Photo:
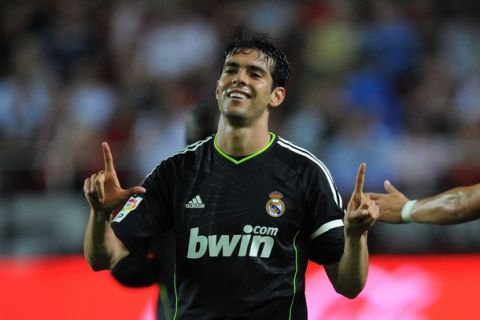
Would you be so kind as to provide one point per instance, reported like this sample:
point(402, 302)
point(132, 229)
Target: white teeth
point(238, 95)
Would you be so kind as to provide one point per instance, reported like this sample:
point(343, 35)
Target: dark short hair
point(261, 42)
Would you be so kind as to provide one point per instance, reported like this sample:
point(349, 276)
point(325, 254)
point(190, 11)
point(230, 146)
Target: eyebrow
point(250, 67)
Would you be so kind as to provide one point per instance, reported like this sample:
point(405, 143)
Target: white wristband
point(407, 210)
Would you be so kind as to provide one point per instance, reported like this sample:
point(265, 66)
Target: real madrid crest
point(275, 206)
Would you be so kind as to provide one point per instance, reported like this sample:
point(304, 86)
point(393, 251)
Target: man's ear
point(277, 96)
point(217, 90)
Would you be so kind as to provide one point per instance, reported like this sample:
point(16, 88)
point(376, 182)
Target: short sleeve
point(145, 215)
point(325, 213)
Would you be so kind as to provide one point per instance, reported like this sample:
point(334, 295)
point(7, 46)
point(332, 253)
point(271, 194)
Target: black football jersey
point(244, 229)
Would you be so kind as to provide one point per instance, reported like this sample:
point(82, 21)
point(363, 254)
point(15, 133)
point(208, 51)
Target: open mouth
point(238, 95)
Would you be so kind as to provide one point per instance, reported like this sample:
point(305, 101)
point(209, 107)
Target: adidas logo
point(195, 203)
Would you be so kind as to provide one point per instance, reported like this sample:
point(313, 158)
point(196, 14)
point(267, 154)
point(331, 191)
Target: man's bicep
point(326, 243)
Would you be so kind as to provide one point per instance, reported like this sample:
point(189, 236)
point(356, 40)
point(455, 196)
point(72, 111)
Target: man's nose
point(240, 78)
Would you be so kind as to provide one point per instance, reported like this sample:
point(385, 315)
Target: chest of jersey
point(225, 210)
point(238, 229)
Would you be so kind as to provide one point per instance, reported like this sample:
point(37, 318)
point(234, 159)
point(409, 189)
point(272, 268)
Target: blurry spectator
point(316, 113)
point(459, 45)
point(25, 96)
point(355, 142)
point(467, 98)
point(369, 91)
point(172, 46)
point(71, 37)
point(125, 25)
point(332, 41)
point(90, 102)
point(24, 93)
point(430, 101)
point(159, 130)
point(275, 18)
point(390, 40)
point(201, 122)
point(420, 159)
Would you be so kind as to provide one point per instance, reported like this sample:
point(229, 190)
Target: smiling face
point(244, 91)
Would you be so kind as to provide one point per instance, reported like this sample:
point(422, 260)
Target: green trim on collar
point(253, 155)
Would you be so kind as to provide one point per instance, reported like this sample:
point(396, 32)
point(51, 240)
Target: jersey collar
point(244, 159)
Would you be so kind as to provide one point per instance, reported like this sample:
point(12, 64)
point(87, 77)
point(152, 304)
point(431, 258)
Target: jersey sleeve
point(145, 215)
point(325, 215)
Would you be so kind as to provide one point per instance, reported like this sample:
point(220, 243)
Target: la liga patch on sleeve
point(131, 205)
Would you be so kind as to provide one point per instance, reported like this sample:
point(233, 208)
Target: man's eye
point(229, 71)
point(256, 75)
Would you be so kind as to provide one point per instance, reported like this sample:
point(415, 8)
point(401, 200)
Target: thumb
point(389, 187)
point(136, 190)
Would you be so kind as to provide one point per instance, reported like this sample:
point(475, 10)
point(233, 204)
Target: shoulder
point(186, 158)
point(298, 157)
point(193, 150)
point(305, 163)
point(313, 171)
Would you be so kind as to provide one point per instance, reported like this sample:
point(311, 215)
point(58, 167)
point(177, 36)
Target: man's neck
point(240, 142)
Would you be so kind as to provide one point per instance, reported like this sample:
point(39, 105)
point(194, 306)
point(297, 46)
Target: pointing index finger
point(108, 158)
point(360, 179)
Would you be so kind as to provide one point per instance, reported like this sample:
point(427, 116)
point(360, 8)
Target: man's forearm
point(454, 206)
point(353, 267)
point(100, 248)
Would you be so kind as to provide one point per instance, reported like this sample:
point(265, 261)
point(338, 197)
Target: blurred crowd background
point(393, 83)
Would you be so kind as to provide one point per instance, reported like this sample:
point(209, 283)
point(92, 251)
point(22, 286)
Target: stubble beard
point(246, 117)
point(237, 120)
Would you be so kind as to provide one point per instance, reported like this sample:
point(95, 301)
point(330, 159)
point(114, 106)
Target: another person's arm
point(102, 249)
point(349, 275)
point(454, 206)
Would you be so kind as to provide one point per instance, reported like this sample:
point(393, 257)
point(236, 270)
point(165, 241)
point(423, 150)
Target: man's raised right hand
point(103, 190)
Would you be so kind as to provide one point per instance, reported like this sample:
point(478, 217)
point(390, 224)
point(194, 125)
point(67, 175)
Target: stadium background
point(393, 83)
